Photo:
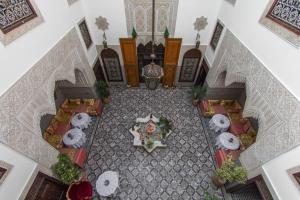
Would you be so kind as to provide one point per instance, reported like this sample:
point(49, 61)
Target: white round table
point(81, 120)
point(227, 141)
point(219, 123)
point(107, 183)
point(74, 138)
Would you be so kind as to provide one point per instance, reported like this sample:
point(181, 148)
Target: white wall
point(17, 57)
point(281, 58)
point(188, 11)
point(114, 12)
point(276, 173)
point(23, 169)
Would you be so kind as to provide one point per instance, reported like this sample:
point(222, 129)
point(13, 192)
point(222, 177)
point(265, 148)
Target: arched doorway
point(144, 52)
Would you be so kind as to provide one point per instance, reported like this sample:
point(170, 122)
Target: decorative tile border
point(278, 29)
point(276, 109)
point(32, 96)
point(18, 32)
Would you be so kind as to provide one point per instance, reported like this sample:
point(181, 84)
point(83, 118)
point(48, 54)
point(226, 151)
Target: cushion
point(74, 101)
point(82, 190)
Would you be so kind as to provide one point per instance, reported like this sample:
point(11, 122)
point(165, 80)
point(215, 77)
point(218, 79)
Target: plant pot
point(195, 102)
point(217, 181)
point(106, 100)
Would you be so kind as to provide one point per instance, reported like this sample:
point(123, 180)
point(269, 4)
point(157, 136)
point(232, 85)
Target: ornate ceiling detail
point(139, 15)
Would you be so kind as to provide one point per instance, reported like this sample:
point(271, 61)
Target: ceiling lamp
point(153, 72)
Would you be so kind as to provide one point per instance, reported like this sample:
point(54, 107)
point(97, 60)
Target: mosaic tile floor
point(181, 171)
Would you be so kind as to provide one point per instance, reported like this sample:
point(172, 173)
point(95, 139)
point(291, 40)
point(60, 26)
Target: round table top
point(229, 141)
point(80, 119)
point(221, 121)
point(73, 136)
point(107, 183)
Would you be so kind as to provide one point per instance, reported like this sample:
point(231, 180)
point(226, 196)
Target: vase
point(217, 181)
point(195, 102)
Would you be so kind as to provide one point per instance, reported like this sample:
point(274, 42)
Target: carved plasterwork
point(276, 109)
point(20, 30)
point(139, 15)
point(32, 96)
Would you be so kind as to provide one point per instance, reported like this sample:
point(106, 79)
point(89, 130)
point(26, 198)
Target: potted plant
point(103, 91)
point(229, 172)
point(65, 170)
point(150, 144)
point(166, 33)
point(208, 196)
point(199, 93)
point(134, 33)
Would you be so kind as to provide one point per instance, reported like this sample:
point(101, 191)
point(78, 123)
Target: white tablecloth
point(74, 138)
point(227, 141)
point(81, 120)
point(219, 123)
point(107, 183)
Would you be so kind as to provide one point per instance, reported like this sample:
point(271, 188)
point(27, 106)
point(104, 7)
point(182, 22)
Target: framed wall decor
point(283, 18)
point(16, 18)
point(190, 65)
point(294, 174)
point(217, 35)
point(4, 170)
point(111, 63)
point(85, 33)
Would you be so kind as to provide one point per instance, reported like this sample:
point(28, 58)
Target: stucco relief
point(276, 109)
point(139, 15)
point(32, 96)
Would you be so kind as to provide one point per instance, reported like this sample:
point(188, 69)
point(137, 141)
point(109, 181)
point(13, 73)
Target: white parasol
point(107, 183)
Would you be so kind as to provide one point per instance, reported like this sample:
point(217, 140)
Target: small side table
point(227, 141)
point(219, 123)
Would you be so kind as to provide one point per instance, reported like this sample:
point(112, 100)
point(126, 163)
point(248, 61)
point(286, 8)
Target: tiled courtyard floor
point(183, 170)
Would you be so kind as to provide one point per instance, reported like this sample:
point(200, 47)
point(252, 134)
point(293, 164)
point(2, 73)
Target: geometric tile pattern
point(183, 170)
point(276, 109)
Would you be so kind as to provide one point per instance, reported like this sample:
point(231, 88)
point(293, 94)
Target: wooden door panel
point(172, 52)
point(47, 188)
point(129, 54)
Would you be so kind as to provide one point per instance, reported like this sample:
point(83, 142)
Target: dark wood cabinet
point(47, 188)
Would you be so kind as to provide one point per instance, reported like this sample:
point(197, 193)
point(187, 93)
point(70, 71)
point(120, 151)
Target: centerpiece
point(151, 132)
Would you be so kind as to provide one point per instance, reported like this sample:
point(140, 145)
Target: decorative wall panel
point(111, 63)
point(283, 18)
point(85, 33)
point(190, 64)
point(139, 15)
point(276, 109)
point(32, 96)
point(216, 36)
point(16, 18)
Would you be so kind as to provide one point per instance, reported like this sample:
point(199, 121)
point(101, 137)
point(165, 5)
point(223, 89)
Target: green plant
point(164, 125)
point(102, 89)
point(166, 33)
point(150, 144)
point(207, 196)
point(199, 92)
point(66, 171)
point(232, 172)
point(133, 33)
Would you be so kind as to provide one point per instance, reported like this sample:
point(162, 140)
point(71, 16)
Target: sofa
point(209, 108)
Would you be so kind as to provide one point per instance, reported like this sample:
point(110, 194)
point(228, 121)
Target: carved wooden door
point(47, 188)
point(172, 51)
point(129, 54)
